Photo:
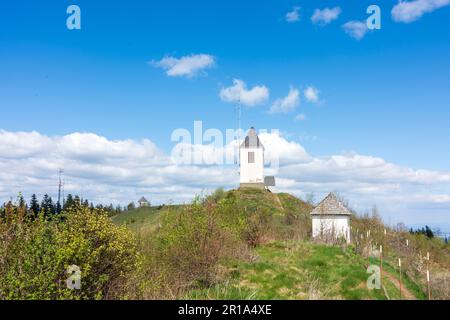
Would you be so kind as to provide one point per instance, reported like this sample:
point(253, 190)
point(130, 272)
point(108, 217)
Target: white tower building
point(251, 160)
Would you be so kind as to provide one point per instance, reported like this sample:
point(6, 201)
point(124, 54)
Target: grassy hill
point(284, 264)
point(304, 270)
point(139, 219)
point(282, 205)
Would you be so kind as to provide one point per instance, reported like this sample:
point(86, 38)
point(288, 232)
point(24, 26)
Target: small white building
point(331, 220)
point(143, 202)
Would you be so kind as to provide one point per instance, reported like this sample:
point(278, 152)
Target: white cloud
point(99, 169)
point(311, 94)
point(23, 144)
point(300, 117)
point(294, 15)
point(325, 16)
point(409, 11)
point(120, 171)
point(286, 104)
point(187, 66)
point(279, 149)
point(355, 29)
point(238, 92)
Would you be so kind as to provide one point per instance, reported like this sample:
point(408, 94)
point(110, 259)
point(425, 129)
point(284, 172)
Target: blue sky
point(385, 95)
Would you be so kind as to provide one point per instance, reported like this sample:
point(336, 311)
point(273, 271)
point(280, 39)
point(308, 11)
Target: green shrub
point(35, 255)
point(192, 242)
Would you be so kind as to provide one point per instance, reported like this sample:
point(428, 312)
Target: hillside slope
point(284, 264)
point(303, 271)
point(282, 205)
point(140, 219)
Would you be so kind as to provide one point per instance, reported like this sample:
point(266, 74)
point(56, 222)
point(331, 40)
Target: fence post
point(428, 276)
point(400, 278)
point(381, 264)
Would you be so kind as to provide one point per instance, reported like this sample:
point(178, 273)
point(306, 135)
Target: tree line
point(49, 208)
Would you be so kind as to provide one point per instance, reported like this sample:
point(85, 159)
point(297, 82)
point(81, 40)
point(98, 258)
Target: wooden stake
point(381, 264)
point(400, 278)
point(428, 276)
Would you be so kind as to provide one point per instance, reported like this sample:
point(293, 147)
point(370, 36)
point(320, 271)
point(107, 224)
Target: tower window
point(251, 157)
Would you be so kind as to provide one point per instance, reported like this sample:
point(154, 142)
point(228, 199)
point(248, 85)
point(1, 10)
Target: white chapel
point(251, 161)
point(331, 220)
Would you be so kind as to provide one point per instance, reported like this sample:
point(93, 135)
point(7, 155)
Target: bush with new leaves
point(35, 255)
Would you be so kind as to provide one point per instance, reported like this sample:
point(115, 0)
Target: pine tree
point(77, 201)
point(131, 206)
point(428, 232)
point(69, 202)
point(20, 201)
point(58, 208)
point(34, 206)
point(47, 207)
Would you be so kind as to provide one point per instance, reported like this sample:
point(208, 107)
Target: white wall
point(337, 225)
point(251, 172)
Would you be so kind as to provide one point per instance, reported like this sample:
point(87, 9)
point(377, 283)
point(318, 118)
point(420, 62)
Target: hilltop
point(275, 258)
point(283, 206)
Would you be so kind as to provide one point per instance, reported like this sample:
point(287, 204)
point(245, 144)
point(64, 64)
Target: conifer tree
point(34, 206)
point(69, 202)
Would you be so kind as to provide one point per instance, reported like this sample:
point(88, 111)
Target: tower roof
point(252, 140)
point(331, 206)
point(142, 199)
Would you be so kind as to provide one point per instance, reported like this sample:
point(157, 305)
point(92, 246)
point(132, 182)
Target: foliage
point(295, 270)
point(192, 241)
point(426, 231)
point(34, 255)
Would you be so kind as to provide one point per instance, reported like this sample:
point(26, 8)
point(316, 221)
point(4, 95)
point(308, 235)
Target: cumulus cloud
point(311, 94)
point(325, 16)
point(409, 11)
point(294, 15)
point(355, 29)
point(120, 171)
point(300, 117)
point(187, 66)
point(286, 104)
point(238, 92)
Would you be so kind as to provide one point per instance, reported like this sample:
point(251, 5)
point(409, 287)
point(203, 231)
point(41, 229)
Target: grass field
point(285, 269)
point(301, 270)
point(295, 270)
point(140, 219)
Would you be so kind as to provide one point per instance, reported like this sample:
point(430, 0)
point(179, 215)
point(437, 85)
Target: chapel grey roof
point(142, 199)
point(252, 140)
point(331, 206)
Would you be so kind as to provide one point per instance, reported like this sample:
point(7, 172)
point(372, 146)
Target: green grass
point(139, 219)
point(258, 200)
point(296, 270)
point(283, 270)
point(222, 291)
point(410, 285)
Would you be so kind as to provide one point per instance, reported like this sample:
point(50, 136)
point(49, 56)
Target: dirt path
point(278, 201)
point(406, 294)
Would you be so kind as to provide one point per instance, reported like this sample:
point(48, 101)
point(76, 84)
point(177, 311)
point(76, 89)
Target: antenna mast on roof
point(238, 115)
point(239, 120)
